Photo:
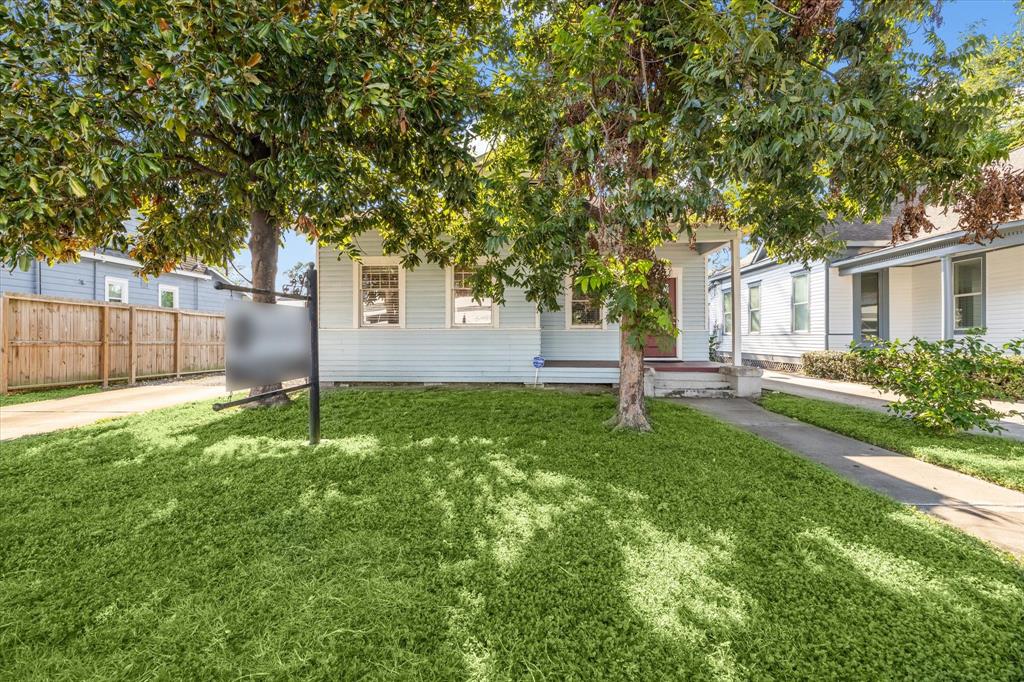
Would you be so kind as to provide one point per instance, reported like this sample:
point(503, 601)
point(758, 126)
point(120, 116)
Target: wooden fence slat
point(105, 346)
point(48, 341)
point(131, 346)
point(6, 325)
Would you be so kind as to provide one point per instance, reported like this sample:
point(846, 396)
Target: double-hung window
point(727, 311)
point(754, 308)
point(468, 311)
point(584, 310)
point(379, 296)
point(168, 296)
point(968, 294)
point(116, 290)
point(870, 290)
point(801, 303)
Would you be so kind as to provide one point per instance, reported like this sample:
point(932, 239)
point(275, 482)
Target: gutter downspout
point(39, 277)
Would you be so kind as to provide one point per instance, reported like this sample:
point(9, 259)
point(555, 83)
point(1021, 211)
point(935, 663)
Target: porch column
point(946, 291)
point(737, 296)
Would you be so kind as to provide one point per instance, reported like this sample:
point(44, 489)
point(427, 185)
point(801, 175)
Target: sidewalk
point(983, 509)
point(861, 395)
point(65, 413)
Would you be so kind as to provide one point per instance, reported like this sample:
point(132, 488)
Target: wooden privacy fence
point(60, 342)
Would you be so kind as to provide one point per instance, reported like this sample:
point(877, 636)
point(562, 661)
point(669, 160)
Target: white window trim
point(107, 281)
point(980, 294)
point(793, 304)
point(760, 305)
point(357, 284)
point(569, 326)
point(727, 326)
point(449, 305)
point(160, 295)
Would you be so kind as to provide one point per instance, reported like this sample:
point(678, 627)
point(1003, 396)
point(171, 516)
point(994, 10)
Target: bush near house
point(942, 383)
point(846, 366)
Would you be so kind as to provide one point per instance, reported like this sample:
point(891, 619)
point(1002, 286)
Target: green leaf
point(77, 188)
point(98, 177)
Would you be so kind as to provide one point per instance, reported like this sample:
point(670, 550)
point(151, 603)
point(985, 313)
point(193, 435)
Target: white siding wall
point(425, 350)
point(776, 338)
point(840, 310)
point(559, 343)
point(915, 306)
point(926, 309)
point(901, 311)
point(1004, 294)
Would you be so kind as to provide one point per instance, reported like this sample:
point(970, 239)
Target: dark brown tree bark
point(632, 410)
point(263, 245)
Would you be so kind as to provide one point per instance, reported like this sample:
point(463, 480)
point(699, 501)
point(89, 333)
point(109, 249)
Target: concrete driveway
point(53, 415)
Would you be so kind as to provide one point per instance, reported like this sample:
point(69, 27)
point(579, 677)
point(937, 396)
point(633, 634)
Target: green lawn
point(1000, 460)
point(444, 534)
point(47, 394)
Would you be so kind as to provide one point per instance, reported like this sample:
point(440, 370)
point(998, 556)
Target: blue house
point(107, 275)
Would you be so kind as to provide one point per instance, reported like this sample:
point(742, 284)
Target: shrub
point(835, 365)
point(942, 383)
point(1007, 381)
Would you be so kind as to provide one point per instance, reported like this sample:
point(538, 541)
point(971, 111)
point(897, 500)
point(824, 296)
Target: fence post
point(131, 345)
point(177, 344)
point(104, 345)
point(5, 343)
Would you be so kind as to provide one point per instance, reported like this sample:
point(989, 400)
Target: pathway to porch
point(861, 395)
point(983, 509)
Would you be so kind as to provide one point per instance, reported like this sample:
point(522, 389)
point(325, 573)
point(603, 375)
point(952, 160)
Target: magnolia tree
point(225, 122)
point(619, 126)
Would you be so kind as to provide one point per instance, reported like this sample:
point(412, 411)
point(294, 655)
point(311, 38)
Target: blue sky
point(988, 17)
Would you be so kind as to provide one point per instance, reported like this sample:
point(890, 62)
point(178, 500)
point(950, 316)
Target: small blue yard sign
point(538, 361)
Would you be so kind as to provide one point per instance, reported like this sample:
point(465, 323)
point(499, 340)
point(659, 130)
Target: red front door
point(664, 346)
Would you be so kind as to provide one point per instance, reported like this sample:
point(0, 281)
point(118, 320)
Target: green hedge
point(845, 366)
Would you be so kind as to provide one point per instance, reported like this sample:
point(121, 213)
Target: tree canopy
point(218, 118)
point(621, 125)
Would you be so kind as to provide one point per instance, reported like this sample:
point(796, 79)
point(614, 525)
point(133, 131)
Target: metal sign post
point(314, 354)
point(538, 362)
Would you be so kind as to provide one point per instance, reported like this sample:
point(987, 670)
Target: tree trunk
point(632, 411)
point(263, 244)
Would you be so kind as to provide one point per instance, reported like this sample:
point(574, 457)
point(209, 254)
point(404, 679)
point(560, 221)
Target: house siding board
point(470, 355)
point(517, 313)
point(554, 319)
point(335, 290)
point(925, 301)
point(901, 312)
point(425, 298)
point(86, 280)
point(777, 338)
point(1004, 294)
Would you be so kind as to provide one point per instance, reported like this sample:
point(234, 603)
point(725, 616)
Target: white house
point(787, 309)
point(382, 323)
point(933, 287)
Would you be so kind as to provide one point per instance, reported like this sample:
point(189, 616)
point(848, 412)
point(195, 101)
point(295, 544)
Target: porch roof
point(929, 249)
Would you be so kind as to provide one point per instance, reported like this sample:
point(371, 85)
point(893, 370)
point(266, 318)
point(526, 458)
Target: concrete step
point(696, 392)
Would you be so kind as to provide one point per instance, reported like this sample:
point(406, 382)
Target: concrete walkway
point(983, 509)
point(861, 395)
point(52, 415)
